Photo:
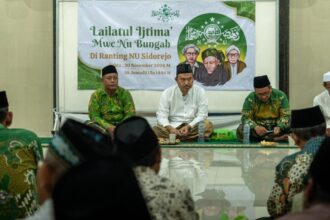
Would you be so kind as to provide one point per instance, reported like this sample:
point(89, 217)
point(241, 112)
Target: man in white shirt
point(182, 107)
point(323, 100)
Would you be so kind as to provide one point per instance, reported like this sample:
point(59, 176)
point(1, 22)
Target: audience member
point(111, 104)
point(20, 151)
point(165, 199)
point(308, 130)
point(73, 144)
point(182, 107)
point(266, 110)
point(323, 100)
point(191, 52)
point(104, 189)
point(317, 191)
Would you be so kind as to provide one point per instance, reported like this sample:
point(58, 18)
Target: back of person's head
point(74, 143)
point(319, 173)
point(103, 189)
point(136, 141)
point(308, 123)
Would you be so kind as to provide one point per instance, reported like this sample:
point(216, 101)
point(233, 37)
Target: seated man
point(111, 104)
point(308, 131)
point(182, 107)
point(323, 100)
point(165, 199)
point(73, 144)
point(317, 189)
point(20, 151)
point(213, 72)
point(234, 65)
point(266, 110)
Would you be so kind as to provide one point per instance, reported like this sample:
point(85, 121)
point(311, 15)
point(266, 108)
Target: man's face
point(185, 82)
point(191, 56)
point(263, 93)
point(233, 56)
point(110, 81)
point(211, 63)
point(327, 86)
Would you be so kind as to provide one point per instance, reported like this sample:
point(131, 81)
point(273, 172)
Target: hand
point(328, 132)
point(172, 130)
point(277, 130)
point(260, 130)
point(184, 131)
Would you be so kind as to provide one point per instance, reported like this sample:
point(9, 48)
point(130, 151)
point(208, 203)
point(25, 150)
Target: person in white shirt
point(323, 100)
point(182, 107)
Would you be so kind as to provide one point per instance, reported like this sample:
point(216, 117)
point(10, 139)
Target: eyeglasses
point(233, 54)
point(191, 54)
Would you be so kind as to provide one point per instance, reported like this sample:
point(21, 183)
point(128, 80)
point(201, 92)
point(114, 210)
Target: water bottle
point(201, 131)
point(246, 133)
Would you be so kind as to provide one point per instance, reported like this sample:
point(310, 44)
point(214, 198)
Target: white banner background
point(160, 73)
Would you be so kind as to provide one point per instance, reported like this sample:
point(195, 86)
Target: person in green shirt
point(20, 152)
point(267, 112)
point(111, 104)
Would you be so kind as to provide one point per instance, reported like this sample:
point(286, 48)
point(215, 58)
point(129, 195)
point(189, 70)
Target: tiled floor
point(231, 180)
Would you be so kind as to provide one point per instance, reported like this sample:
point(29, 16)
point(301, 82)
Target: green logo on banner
point(165, 13)
point(212, 30)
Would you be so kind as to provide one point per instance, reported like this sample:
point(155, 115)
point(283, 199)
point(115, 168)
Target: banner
point(146, 40)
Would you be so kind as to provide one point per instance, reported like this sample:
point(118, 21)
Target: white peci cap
point(326, 77)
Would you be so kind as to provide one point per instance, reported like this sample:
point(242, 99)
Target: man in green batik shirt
point(111, 104)
point(266, 110)
point(20, 151)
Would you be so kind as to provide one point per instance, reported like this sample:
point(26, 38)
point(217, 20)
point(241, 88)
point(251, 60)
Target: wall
point(27, 62)
point(309, 46)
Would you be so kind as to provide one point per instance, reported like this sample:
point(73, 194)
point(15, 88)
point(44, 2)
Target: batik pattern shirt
point(108, 110)
point(274, 112)
point(290, 174)
point(20, 151)
point(165, 200)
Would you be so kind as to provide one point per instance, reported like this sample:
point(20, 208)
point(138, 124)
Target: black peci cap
point(109, 69)
point(307, 117)
point(3, 100)
point(135, 139)
point(261, 81)
point(77, 142)
point(183, 68)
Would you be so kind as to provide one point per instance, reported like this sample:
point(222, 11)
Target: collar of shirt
point(188, 94)
point(313, 144)
point(195, 64)
point(104, 93)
